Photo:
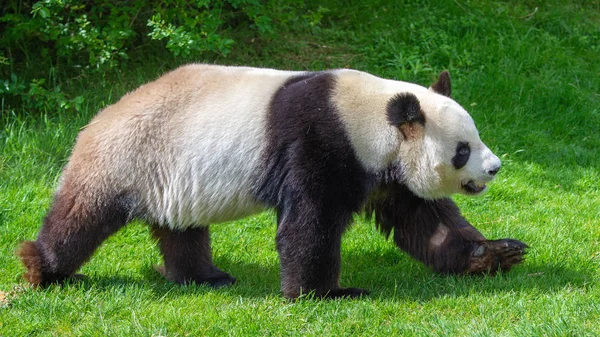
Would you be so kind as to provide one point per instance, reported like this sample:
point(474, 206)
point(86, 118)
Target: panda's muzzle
point(478, 185)
point(471, 187)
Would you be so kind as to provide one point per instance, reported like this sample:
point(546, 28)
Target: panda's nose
point(491, 164)
point(494, 171)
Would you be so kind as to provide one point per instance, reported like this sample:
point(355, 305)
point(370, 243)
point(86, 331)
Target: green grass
point(528, 72)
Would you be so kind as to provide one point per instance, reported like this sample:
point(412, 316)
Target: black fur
point(462, 155)
point(415, 220)
point(404, 108)
point(443, 85)
point(457, 247)
point(188, 257)
point(314, 180)
point(74, 227)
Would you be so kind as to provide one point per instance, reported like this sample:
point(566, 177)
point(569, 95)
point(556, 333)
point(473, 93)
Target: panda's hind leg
point(77, 223)
point(188, 258)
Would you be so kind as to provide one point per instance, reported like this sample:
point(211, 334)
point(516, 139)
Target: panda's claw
point(479, 251)
point(494, 255)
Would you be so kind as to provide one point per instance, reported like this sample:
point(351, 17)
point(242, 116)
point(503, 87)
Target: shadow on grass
point(395, 275)
point(252, 280)
point(388, 275)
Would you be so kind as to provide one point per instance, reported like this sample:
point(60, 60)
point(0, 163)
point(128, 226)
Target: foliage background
point(527, 71)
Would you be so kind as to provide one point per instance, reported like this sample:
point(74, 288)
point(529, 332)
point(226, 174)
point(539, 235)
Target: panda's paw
point(79, 277)
point(219, 278)
point(494, 255)
point(347, 293)
point(215, 279)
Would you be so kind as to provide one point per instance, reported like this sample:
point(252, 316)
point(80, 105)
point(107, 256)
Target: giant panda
point(205, 144)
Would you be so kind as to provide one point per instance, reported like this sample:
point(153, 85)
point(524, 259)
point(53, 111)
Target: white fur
point(427, 163)
point(362, 99)
point(220, 137)
point(447, 124)
point(192, 141)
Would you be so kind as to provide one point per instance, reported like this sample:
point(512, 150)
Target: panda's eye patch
point(463, 152)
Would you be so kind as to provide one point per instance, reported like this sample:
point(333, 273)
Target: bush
point(98, 35)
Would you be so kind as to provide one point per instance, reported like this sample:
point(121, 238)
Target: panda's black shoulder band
point(404, 108)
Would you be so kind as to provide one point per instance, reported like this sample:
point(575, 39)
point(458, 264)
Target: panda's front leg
point(454, 236)
point(309, 243)
point(434, 232)
point(453, 245)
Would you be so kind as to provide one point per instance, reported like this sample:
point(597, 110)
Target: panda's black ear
point(443, 86)
point(404, 108)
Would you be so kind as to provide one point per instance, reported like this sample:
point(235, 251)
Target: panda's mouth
point(471, 187)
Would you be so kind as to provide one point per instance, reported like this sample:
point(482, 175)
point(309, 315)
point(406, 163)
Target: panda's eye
point(463, 152)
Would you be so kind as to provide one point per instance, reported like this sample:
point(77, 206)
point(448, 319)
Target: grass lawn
point(529, 73)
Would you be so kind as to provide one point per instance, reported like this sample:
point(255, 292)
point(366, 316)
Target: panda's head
point(441, 153)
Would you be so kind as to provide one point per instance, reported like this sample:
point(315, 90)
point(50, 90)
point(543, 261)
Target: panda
point(206, 144)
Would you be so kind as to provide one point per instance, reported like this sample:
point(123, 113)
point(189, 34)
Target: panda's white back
point(189, 143)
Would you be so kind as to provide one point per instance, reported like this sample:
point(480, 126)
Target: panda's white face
point(428, 142)
point(450, 157)
point(465, 163)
